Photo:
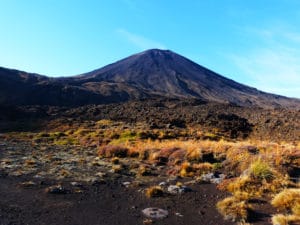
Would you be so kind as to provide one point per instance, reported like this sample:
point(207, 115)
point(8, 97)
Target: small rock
point(173, 178)
point(174, 189)
point(101, 174)
point(16, 173)
point(207, 177)
point(155, 213)
point(38, 176)
point(162, 183)
point(126, 184)
point(178, 214)
point(191, 182)
point(58, 189)
point(216, 180)
point(213, 178)
point(28, 184)
point(76, 184)
point(96, 182)
point(223, 176)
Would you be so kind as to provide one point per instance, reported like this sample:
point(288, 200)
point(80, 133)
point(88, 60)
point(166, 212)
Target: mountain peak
point(156, 51)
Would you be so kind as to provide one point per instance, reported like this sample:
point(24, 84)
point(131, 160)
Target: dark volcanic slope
point(150, 74)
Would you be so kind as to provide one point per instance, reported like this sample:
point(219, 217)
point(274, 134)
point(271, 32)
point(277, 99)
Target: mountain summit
point(149, 74)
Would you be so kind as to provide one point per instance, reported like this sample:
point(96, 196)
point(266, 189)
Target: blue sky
point(255, 42)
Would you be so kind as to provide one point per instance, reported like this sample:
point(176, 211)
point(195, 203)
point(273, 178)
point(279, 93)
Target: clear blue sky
point(255, 42)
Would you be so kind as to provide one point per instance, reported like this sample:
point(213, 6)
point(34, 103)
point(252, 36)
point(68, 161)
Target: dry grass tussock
point(287, 199)
point(281, 219)
point(234, 209)
point(154, 191)
point(260, 179)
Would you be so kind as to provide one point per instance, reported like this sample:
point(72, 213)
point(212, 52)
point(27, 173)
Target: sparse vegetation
point(234, 209)
point(257, 169)
point(154, 191)
point(261, 170)
point(287, 199)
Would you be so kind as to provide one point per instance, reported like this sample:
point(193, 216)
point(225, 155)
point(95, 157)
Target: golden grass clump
point(261, 170)
point(186, 170)
point(202, 168)
point(109, 151)
point(244, 184)
point(280, 219)
point(115, 160)
point(30, 162)
point(287, 199)
point(144, 170)
point(154, 191)
point(233, 209)
point(194, 154)
point(259, 179)
point(296, 209)
point(242, 195)
point(117, 168)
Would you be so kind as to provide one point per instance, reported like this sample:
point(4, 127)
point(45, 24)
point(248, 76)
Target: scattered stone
point(191, 182)
point(174, 189)
point(101, 174)
point(207, 177)
point(16, 173)
point(37, 176)
point(76, 184)
point(126, 184)
point(57, 189)
point(162, 183)
point(213, 178)
point(155, 213)
point(178, 214)
point(28, 184)
point(216, 180)
point(172, 178)
point(97, 181)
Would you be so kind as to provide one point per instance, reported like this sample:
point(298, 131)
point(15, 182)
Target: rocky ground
point(51, 171)
point(105, 204)
point(47, 184)
point(52, 185)
point(227, 121)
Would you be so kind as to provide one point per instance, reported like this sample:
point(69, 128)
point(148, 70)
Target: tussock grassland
point(253, 168)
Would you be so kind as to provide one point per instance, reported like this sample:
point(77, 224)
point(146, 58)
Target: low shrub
point(287, 199)
point(186, 170)
point(202, 168)
point(280, 219)
point(154, 191)
point(296, 209)
point(233, 209)
point(109, 151)
point(261, 170)
point(115, 160)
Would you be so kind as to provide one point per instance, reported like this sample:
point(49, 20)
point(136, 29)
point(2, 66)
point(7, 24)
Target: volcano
point(147, 75)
